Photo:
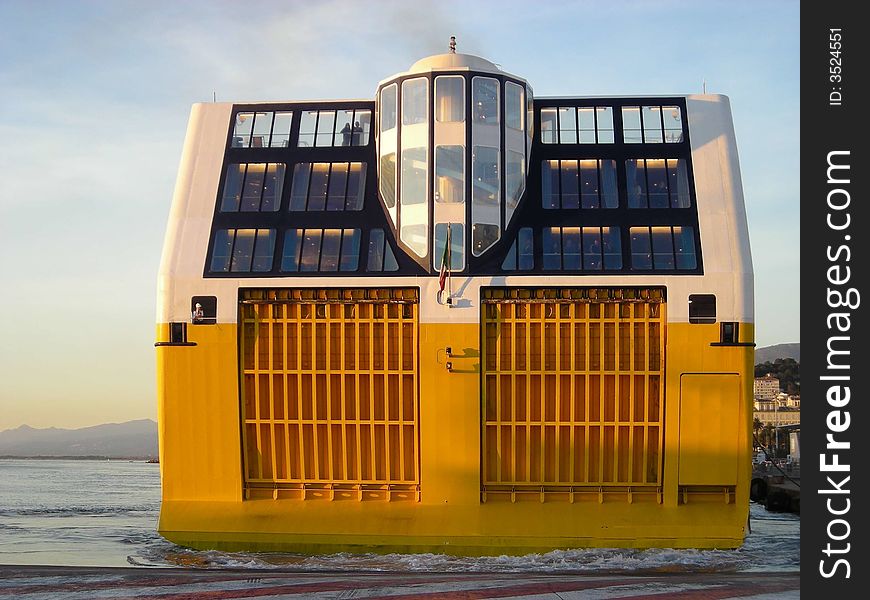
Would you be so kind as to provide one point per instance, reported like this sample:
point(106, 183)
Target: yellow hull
point(699, 497)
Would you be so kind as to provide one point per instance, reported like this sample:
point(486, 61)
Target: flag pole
point(449, 265)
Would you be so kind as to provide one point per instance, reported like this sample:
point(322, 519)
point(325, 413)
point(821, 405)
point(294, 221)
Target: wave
point(79, 511)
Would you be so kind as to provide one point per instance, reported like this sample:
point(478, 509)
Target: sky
point(95, 97)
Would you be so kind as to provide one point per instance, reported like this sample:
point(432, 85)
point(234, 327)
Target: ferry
point(456, 318)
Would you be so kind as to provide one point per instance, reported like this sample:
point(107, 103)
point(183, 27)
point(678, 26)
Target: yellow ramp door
point(573, 388)
point(709, 413)
point(329, 393)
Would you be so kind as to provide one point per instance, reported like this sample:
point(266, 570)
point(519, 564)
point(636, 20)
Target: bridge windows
point(243, 250)
point(253, 187)
point(652, 124)
point(328, 186)
point(332, 128)
point(657, 183)
point(575, 184)
point(262, 129)
point(663, 248)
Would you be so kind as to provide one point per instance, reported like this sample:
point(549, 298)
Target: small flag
point(445, 262)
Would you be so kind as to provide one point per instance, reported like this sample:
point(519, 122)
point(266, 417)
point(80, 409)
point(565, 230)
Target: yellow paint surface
point(201, 455)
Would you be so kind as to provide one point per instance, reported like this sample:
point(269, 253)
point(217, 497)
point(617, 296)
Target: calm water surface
point(70, 512)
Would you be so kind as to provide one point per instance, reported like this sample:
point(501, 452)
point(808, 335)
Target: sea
point(104, 513)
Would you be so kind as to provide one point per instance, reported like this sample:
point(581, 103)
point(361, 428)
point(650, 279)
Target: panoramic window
point(253, 187)
point(514, 105)
point(657, 183)
point(329, 128)
point(242, 251)
point(521, 256)
point(380, 257)
point(663, 248)
point(515, 179)
point(414, 101)
point(484, 100)
point(328, 186)
point(413, 200)
point(581, 248)
point(573, 184)
point(450, 174)
point(320, 250)
point(450, 99)
point(652, 124)
point(577, 125)
point(262, 130)
point(485, 196)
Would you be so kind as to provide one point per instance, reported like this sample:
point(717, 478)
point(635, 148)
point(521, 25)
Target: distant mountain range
point(133, 439)
point(771, 353)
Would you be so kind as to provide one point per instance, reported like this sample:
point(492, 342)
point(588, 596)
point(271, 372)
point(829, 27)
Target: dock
point(75, 583)
point(779, 491)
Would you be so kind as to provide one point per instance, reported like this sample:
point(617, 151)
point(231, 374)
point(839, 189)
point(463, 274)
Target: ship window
point(262, 130)
point(590, 193)
point(515, 180)
point(612, 247)
point(702, 308)
point(631, 130)
point(307, 128)
point(450, 99)
point(678, 183)
point(450, 174)
point(577, 125)
point(380, 257)
point(328, 186)
point(387, 179)
point(657, 183)
point(567, 125)
point(586, 124)
point(514, 106)
point(548, 126)
point(414, 208)
point(485, 196)
point(663, 248)
point(483, 235)
point(521, 254)
point(673, 121)
point(571, 184)
point(457, 246)
point(652, 124)
point(253, 187)
point(243, 250)
point(552, 244)
point(684, 247)
point(352, 127)
point(327, 128)
point(641, 256)
point(321, 250)
point(576, 249)
point(242, 130)
point(281, 130)
point(388, 107)
point(484, 100)
point(604, 124)
point(550, 184)
point(414, 101)
point(525, 249)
